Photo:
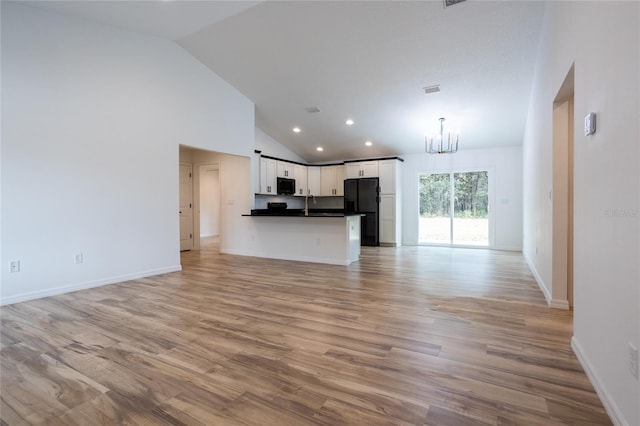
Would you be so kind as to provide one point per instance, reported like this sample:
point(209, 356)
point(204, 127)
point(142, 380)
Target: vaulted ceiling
point(366, 61)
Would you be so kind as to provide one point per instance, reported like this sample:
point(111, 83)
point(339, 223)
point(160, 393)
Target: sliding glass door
point(454, 209)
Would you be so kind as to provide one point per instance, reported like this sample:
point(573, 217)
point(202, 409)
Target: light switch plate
point(590, 124)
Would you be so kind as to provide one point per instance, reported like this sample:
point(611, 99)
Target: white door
point(186, 207)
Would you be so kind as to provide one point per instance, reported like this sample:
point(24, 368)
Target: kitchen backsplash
point(298, 202)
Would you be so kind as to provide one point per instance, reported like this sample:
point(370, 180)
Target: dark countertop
point(299, 213)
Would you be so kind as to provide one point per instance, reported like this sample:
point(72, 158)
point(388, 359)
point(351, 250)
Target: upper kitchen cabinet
point(268, 183)
point(285, 169)
point(358, 169)
point(332, 180)
point(389, 171)
point(361, 169)
point(300, 175)
point(313, 180)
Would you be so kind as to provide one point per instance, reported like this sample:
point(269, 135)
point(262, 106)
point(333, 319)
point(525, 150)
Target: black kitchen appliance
point(363, 196)
point(286, 186)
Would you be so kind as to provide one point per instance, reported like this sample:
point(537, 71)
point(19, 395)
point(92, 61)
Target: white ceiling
point(365, 60)
point(166, 19)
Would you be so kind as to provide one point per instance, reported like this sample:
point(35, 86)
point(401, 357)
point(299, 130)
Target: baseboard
point(506, 248)
point(609, 404)
point(559, 304)
point(389, 245)
point(85, 285)
point(538, 279)
point(291, 258)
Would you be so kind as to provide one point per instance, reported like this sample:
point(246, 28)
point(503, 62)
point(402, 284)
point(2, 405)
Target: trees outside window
point(454, 208)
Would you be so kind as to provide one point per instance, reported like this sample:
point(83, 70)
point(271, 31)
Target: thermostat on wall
point(590, 124)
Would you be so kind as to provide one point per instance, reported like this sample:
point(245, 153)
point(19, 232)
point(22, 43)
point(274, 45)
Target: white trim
point(507, 248)
point(292, 258)
point(208, 235)
point(608, 402)
point(559, 304)
point(86, 285)
point(551, 302)
point(538, 279)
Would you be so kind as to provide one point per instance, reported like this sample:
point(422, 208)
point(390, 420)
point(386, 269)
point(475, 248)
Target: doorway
point(454, 208)
point(209, 201)
point(562, 194)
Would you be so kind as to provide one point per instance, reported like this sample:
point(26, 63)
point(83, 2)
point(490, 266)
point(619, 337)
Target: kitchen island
point(320, 237)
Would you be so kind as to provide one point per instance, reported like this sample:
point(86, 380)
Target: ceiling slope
point(364, 60)
point(369, 61)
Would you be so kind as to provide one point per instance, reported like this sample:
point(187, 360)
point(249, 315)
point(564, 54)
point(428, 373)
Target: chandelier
point(440, 146)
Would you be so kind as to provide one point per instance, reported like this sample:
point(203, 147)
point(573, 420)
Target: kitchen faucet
point(306, 202)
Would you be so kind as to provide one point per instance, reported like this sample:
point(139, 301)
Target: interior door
point(186, 207)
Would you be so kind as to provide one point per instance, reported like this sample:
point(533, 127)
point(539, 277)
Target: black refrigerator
point(363, 196)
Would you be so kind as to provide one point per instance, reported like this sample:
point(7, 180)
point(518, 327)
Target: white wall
point(235, 197)
point(602, 39)
point(92, 119)
point(273, 148)
point(209, 201)
point(505, 184)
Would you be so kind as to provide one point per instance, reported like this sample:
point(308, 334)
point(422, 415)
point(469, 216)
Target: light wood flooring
point(406, 336)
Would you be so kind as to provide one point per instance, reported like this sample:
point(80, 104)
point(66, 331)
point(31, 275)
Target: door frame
point(563, 123)
point(198, 202)
point(192, 206)
point(491, 215)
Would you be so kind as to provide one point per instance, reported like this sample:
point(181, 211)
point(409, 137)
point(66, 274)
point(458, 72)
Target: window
point(454, 208)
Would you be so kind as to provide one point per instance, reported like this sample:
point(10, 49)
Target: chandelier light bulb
point(440, 146)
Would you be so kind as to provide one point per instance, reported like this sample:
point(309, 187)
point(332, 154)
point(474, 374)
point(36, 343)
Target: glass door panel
point(471, 208)
point(435, 209)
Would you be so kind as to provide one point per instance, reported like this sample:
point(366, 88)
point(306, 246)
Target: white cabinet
point(285, 169)
point(313, 180)
point(388, 219)
point(362, 169)
point(332, 180)
point(340, 181)
point(268, 176)
point(390, 202)
point(388, 169)
point(300, 175)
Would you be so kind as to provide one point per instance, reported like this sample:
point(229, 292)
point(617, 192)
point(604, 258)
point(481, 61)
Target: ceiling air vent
point(448, 3)
point(431, 89)
point(312, 110)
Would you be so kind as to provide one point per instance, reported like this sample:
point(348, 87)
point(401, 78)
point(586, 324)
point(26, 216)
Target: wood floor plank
point(405, 336)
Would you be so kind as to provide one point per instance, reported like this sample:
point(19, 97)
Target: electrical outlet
point(78, 258)
point(633, 360)
point(14, 266)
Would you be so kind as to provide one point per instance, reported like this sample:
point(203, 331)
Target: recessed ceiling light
point(349, 122)
point(296, 130)
point(320, 149)
point(368, 143)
